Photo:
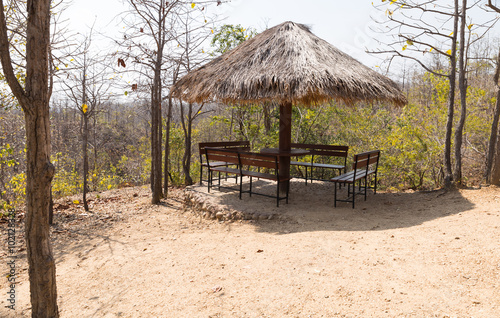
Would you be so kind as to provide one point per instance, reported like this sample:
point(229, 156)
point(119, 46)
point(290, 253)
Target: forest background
point(102, 113)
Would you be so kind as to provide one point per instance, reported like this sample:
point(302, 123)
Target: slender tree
point(492, 173)
point(417, 32)
point(87, 84)
point(33, 98)
point(462, 87)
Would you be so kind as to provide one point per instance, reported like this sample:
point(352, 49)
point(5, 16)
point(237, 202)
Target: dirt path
point(395, 255)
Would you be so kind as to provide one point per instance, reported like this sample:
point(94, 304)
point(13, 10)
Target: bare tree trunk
point(34, 100)
point(85, 135)
point(494, 164)
point(267, 118)
point(448, 172)
point(462, 86)
point(187, 128)
point(156, 141)
point(492, 149)
point(166, 168)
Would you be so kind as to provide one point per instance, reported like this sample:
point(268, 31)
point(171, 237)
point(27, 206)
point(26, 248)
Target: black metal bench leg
point(366, 186)
point(209, 181)
point(241, 184)
point(335, 195)
point(250, 186)
point(306, 174)
point(201, 173)
point(287, 190)
point(278, 194)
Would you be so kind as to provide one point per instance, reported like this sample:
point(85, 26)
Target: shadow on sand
point(311, 207)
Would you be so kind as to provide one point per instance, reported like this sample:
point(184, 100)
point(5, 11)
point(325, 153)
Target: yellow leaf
point(451, 33)
point(202, 51)
point(470, 26)
point(431, 49)
point(410, 42)
point(404, 47)
point(76, 202)
point(85, 108)
point(109, 186)
point(212, 31)
point(448, 52)
point(192, 5)
point(392, 1)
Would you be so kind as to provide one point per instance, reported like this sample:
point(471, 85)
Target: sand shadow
point(311, 207)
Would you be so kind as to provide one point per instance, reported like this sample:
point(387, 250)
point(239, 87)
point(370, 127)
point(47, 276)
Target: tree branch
point(6, 60)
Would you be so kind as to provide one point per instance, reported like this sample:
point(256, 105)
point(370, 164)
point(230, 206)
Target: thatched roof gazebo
point(286, 64)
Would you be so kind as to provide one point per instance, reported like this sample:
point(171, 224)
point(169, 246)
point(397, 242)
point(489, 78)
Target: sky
point(347, 24)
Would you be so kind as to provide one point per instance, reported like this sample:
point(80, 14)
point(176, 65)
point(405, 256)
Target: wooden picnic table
point(285, 153)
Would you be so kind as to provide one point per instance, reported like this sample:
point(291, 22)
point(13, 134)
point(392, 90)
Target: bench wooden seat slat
point(364, 165)
point(300, 163)
point(327, 165)
point(215, 164)
point(226, 170)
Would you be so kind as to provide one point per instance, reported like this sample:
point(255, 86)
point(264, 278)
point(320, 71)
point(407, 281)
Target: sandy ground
point(396, 255)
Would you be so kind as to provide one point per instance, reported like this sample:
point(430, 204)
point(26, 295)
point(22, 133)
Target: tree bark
point(493, 163)
point(156, 140)
point(166, 168)
point(494, 132)
point(448, 172)
point(34, 100)
point(85, 134)
point(462, 86)
point(187, 124)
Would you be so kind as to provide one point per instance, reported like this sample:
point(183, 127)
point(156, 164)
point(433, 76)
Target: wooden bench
point(339, 153)
point(238, 145)
point(365, 165)
point(248, 159)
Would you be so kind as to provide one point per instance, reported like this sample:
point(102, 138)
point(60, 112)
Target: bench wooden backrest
point(259, 160)
point(224, 144)
point(239, 145)
point(324, 150)
point(241, 158)
point(219, 154)
point(365, 159)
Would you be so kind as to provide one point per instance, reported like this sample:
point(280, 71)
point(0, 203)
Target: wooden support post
point(285, 143)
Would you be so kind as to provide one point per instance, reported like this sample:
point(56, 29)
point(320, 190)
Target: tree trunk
point(166, 168)
point(34, 100)
point(448, 172)
point(462, 86)
point(156, 143)
point(85, 135)
point(491, 158)
point(187, 125)
point(495, 162)
point(267, 118)
point(40, 172)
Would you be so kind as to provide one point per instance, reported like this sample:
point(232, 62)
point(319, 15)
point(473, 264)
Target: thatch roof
point(286, 63)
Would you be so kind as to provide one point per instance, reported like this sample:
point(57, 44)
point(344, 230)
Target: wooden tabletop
point(291, 153)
